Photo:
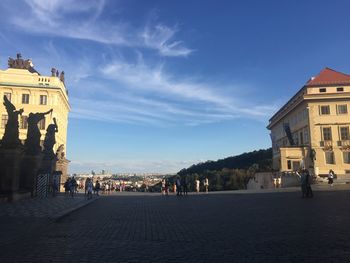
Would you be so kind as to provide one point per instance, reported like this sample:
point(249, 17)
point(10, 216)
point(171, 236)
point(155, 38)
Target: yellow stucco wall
point(21, 81)
point(308, 101)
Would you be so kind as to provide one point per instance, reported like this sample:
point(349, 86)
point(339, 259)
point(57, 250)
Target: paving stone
point(271, 227)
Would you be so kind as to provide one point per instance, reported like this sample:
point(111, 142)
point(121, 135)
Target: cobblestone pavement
point(270, 227)
point(26, 217)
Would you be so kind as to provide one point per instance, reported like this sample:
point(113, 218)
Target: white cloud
point(78, 19)
point(161, 37)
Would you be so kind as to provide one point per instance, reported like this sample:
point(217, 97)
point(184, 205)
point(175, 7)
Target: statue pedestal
point(10, 163)
point(48, 165)
point(62, 166)
point(29, 171)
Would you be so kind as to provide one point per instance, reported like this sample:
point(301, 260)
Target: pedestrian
point(184, 185)
point(163, 186)
point(197, 185)
point(166, 187)
point(66, 186)
point(72, 186)
point(89, 188)
point(178, 186)
point(303, 182)
point(86, 185)
point(279, 182)
point(206, 184)
point(330, 177)
point(97, 187)
point(174, 187)
point(107, 188)
point(309, 192)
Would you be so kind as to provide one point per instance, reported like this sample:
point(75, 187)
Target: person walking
point(178, 186)
point(197, 185)
point(163, 187)
point(309, 192)
point(89, 188)
point(86, 185)
point(206, 184)
point(166, 187)
point(72, 187)
point(174, 187)
point(303, 183)
point(66, 187)
point(97, 187)
point(184, 184)
point(330, 177)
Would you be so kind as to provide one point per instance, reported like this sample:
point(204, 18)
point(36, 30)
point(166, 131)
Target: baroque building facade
point(312, 129)
point(28, 89)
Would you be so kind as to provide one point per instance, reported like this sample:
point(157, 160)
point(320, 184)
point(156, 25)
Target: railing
point(326, 144)
point(344, 144)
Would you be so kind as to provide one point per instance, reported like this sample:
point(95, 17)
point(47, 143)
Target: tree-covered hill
point(261, 159)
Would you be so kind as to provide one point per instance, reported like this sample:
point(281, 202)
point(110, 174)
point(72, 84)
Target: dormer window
point(323, 90)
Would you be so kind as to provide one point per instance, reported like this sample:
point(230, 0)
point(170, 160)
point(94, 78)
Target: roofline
point(286, 103)
point(328, 85)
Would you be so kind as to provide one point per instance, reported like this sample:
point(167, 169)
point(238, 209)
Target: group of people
point(70, 186)
point(180, 186)
point(306, 181)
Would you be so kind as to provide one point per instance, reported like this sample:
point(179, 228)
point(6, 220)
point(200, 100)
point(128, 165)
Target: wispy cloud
point(78, 19)
point(161, 37)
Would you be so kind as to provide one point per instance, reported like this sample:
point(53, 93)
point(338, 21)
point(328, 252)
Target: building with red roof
point(311, 130)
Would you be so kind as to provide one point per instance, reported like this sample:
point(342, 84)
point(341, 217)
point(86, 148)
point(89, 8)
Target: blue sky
point(156, 86)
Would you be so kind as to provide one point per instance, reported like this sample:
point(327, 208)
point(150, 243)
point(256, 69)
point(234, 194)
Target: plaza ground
point(272, 226)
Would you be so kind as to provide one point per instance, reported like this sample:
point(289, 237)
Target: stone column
point(10, 162)
point(31, 164)
point(62, 166)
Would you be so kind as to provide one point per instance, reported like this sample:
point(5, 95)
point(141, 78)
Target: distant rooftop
point(329, 77)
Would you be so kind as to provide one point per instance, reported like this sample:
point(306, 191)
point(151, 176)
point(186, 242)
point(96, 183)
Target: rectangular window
point(344, 133)
point(323, 90)
point(306, 135)
point(304, 114)
point(4, 119)
point(41, 124)
point(329, 157)
point(324, 110)
point(25, 98)
point(301, 138)
point(43, 99)
point(340, 89)
point(24, 122)
point(289, 164)
point(346, 157)
point(8, 95)
point(327, 134)
point(342, 109)
point(296, 165)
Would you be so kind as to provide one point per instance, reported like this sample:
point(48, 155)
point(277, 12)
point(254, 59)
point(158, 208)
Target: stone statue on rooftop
point(32, 143)
point(53, 72)
point(20, 63)
point(50, 139)
point(11, 135)
point(62, 76)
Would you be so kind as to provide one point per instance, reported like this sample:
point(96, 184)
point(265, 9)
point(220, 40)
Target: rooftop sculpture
point(20, 63)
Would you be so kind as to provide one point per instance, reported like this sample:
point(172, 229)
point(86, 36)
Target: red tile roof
point(329, 77)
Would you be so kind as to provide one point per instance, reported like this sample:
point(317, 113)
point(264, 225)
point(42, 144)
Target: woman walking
point(330, 177)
